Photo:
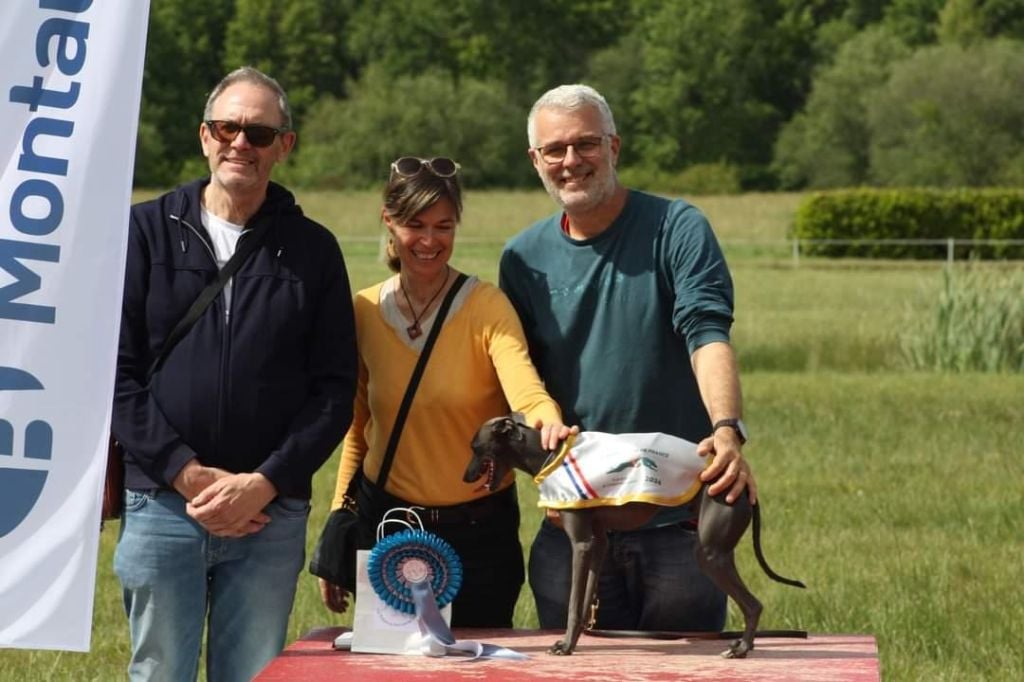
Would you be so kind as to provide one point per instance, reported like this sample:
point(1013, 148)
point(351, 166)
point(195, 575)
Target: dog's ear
point(509, 427)
point(503, 427)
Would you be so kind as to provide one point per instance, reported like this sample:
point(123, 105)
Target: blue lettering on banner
point(44, 190)
point(32, 162)
point(21, 484)
point(36, 209)
point(62, 34)
point(25, 281)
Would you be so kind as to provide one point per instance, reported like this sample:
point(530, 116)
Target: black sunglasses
point(409, 166)
point(256, 135)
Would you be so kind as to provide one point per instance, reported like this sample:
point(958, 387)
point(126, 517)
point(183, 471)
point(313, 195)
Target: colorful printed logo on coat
point(640, 461)
point(598, 469)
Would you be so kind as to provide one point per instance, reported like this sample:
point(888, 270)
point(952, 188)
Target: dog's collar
point(555, 457)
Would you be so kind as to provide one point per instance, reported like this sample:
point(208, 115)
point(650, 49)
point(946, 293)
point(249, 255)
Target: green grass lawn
point(895, 495)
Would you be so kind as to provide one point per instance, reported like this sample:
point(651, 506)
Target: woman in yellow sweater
point(479, 368)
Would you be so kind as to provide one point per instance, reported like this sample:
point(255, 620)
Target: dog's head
point(494, 450)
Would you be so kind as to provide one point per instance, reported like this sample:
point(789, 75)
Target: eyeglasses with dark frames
point(410, 166)
point(256, 135)
point(587, 147)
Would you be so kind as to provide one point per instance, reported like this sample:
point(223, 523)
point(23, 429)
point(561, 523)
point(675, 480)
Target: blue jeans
point(175, 575)
point(649, 581)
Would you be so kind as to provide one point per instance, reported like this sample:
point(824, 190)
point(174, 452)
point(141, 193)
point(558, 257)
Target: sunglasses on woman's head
point(256, 135)
point(409, 166)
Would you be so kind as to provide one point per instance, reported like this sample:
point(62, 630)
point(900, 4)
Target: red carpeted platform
point(817, 658)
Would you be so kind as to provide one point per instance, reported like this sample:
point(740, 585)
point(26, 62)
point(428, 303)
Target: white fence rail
point(796, 247)
point(950, 243)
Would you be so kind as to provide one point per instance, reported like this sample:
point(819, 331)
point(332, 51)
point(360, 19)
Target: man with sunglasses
point(223, 430)
point(627, 304)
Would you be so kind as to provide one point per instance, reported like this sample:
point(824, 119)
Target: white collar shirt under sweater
point(600, 469)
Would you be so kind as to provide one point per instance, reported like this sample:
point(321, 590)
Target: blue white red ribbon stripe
point(577, 477)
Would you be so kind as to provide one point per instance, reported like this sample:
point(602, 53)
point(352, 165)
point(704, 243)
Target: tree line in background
point(709, 95)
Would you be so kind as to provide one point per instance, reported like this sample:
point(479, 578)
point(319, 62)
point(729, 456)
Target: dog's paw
point(738, 649)
point(560, 648)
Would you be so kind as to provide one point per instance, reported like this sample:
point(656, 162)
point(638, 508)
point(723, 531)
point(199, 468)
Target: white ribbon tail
point(436, 638)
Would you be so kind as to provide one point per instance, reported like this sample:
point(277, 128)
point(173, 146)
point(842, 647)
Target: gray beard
point(594, 197)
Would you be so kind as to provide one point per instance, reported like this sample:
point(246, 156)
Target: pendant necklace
point(414, 330)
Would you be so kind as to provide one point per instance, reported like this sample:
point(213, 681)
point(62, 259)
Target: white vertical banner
point(70, 85)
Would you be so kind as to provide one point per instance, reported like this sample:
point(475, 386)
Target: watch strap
point(735, 424)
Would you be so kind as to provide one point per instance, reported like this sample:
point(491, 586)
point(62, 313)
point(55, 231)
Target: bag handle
point(414, 381)
point(412, 520)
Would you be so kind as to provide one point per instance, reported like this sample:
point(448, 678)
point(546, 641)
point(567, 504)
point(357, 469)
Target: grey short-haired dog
point(506, 443)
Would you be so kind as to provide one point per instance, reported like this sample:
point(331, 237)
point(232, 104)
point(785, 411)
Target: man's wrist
point(734, 423)
point(183, 482)
point(260, 484)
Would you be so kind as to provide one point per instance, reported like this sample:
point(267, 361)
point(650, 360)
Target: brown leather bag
point(113, 485)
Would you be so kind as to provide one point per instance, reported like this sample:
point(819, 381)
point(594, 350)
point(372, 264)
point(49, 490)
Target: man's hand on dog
point(729, 470)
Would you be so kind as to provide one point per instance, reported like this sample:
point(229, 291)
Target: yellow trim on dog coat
point(601, 469)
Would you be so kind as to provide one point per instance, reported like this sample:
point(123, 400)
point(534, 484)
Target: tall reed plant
point(977, 324)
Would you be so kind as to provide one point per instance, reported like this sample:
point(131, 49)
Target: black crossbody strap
point(248, 242)
point(414, 381)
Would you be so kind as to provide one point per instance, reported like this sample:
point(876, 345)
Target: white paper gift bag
point(378, 628)
point(401, 585)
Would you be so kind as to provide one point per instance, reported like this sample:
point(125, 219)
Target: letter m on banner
point(69, 110)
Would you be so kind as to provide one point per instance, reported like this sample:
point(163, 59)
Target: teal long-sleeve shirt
point(611, 321)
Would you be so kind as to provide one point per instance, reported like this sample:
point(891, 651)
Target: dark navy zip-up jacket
point(266, 386)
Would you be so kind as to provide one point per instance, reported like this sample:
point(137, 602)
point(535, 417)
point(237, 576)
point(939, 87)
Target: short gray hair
point(571, 98)
point(250, 74)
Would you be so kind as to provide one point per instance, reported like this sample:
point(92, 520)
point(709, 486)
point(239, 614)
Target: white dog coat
point(602, 469)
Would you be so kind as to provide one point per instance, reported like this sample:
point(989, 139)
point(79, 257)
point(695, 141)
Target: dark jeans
point(649, 581)
point(487, 543)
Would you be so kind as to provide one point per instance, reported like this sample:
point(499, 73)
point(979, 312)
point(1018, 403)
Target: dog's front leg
point(577, 525)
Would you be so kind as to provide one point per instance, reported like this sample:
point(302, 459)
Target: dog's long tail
point(760, 555)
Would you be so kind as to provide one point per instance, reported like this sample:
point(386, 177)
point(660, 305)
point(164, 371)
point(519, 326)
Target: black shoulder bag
point(113, 484)
point(347, 530)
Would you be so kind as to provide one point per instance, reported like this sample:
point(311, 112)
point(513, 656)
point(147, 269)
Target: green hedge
point(912, 214)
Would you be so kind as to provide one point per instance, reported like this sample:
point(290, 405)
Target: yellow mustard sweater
point(479, 367)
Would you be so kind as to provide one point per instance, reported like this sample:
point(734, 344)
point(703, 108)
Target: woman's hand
point(553, 433)
point(335, 597)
